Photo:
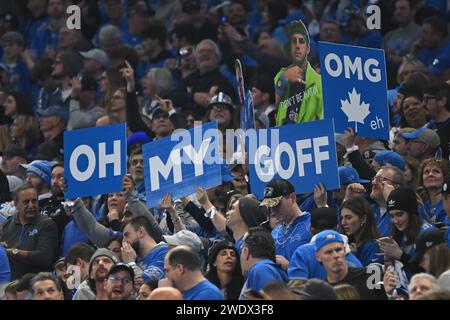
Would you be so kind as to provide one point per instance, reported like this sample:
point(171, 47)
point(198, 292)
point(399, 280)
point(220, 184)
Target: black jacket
point(39, 237)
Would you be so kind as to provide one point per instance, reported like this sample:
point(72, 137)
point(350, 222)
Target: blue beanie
point(41, 168)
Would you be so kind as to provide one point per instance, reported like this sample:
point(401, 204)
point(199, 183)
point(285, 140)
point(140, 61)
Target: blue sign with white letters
point(304, 154)
point(181, 162)
point(355, 89)
point(95, 160)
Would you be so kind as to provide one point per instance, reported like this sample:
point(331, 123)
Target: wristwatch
point(15, 251)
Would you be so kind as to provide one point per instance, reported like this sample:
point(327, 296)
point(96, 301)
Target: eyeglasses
point(381, 179)
point(124, 280)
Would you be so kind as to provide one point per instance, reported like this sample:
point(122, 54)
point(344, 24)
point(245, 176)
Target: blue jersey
point(304, 265)
point(5, 271)
point(238, 245)
point(428, 57)
point(204, 290)
point(383, 222)
point(289, 238)
point(19, 76)
point(72, 234)
point(432, 214)
point(44, 39)
point(368, 253)
point(153, 263)
point(261, 274)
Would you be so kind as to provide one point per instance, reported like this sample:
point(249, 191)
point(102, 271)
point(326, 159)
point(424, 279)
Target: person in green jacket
point(298, 87)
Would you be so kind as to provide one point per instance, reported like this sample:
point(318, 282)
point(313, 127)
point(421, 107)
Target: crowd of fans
point(162, 65)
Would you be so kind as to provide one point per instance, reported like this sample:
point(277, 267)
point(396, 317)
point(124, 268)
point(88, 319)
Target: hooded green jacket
point(312, 104)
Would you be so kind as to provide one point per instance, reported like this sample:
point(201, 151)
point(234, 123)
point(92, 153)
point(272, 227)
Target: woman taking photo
point(358, 223)
point(224, 269)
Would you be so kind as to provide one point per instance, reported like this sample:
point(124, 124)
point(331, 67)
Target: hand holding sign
point(202, 196)
point(127, 184)
point(348, 139)
point(320, 195)
point(167, 203)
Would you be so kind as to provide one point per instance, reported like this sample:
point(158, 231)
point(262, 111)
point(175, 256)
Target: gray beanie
point(103, 252)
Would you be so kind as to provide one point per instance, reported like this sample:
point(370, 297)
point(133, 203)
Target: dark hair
point(260, 243)
point(439, 259)
point(185, 30)
point(42, 276)
point(142, 221)
point(155, 29)
point(411, 232)
point(185, 256)
point(244, 3)
point(234, 287)
point(361, 207)
point(438, 24)
point(24, 102)
point(152, 284)
point(42, 69)
point(23, 283)
point(280, 291)
point(440, 90)
point(79, 250)
point(23, 187)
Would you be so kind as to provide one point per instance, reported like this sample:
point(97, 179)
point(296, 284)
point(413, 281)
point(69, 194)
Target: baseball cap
point(221, 98)
point(275, 190)
point(315, 289)
point(122, 267)
point(390, 158)
point(42, 169)
point(12, 37)
point(404, 199)
point(137, 137)
point(158, 111)
point(440, 64)
point(324, 218)
point(15, 151)
point(185, 237)
point(71, 61)
point(425, 241)
point(57, 111)
point(427, 136)
point(252, 213)
point(97, 55)
point(326, 237)
point(349, 175)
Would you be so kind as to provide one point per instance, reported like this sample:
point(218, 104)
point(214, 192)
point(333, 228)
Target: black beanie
point(252, 214)
point(403, 199)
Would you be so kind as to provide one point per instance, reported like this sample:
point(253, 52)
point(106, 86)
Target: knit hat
point(252, 214)
point(102, 252)
point(41, 168)
point(403, 199)
point(218, 246)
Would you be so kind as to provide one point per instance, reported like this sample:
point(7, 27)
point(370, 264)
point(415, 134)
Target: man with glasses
point(294, 229)
point(298, 88)
point(120, 282)
point(437, 102)
point(387, 179)
point(422, 143)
